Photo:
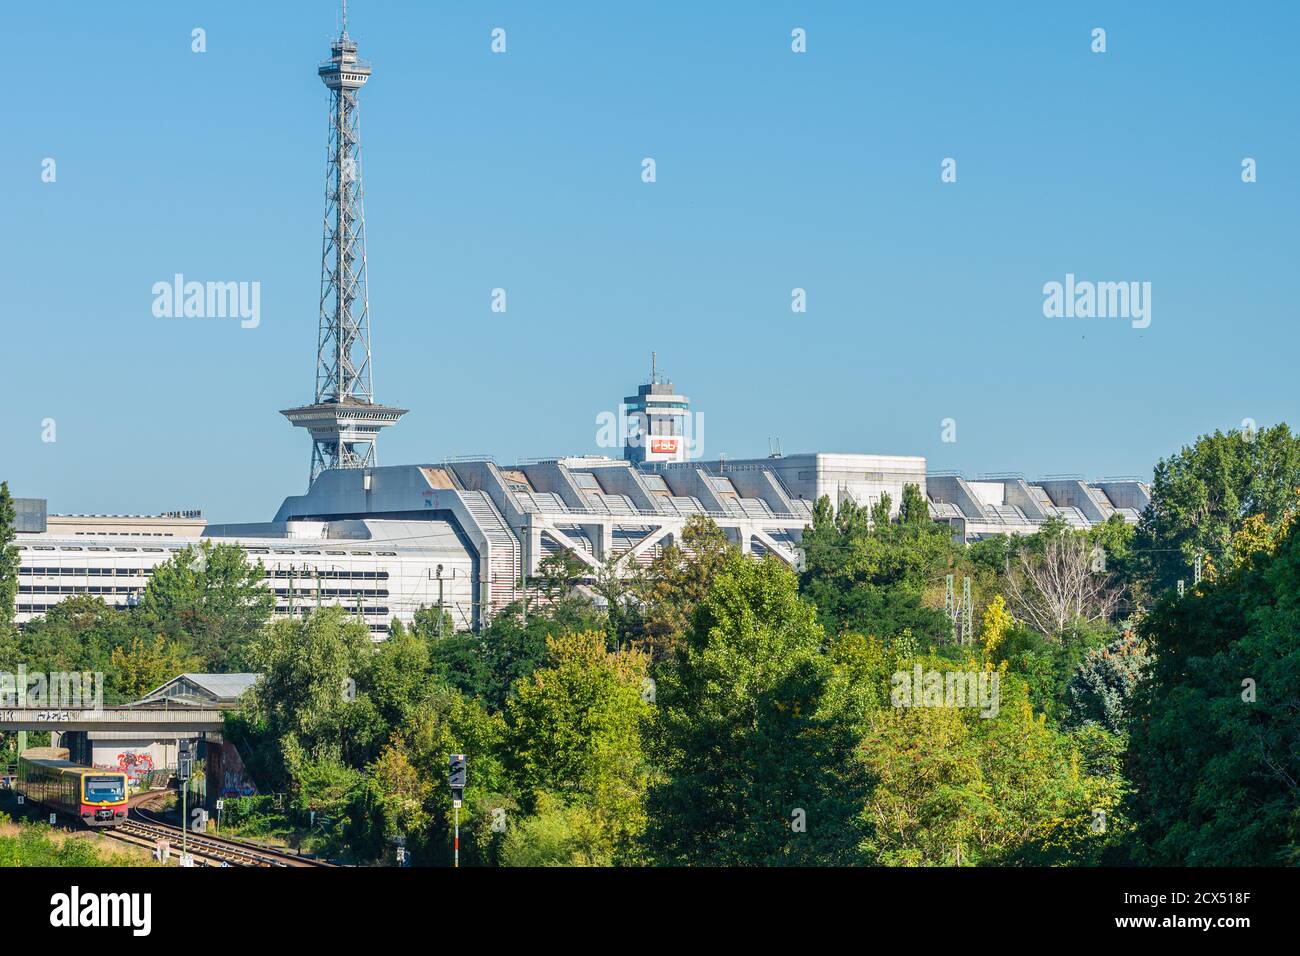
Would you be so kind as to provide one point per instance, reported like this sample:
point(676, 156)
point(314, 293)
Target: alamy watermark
point(930, 688)
point(1083, 299)
point(179, 299)
point(55, 690)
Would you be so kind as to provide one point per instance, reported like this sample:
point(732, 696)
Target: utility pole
point(950, 607)
point(1196, 570)
point(523, 573)
point(440, 610)
point(967, 612)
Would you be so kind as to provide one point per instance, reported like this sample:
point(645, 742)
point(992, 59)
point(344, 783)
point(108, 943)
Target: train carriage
point(95, 797)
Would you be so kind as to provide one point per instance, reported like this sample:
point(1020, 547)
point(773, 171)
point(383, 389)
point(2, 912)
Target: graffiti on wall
point(234, 778)
point(136, 764)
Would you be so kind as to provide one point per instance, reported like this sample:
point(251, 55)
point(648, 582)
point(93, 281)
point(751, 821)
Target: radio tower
point(344, 419)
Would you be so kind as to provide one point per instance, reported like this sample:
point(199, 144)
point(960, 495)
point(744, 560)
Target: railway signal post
point(456, 777)
point(184, 769)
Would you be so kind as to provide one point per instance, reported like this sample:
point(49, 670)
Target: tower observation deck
point(344, 420)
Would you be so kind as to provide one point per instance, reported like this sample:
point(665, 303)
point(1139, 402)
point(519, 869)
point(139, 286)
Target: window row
point(333, 592)
point(56, 572)
point(78, 589)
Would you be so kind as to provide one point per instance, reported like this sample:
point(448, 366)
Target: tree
point(397, 676)
point(1100, 689)
point(1113, 555)
point(211, 599)
point(1201, 496)
point(618, 582)
point(914, 509)
point(996, 622)
point(9, 559)
point(489, 664)
point(1215, 721)
point(678, 579)
point(402, 793)
point(429, 624)
point(956, 787)
point(408, 793)
point(1055, 583)
point(557, 573)
point(574, 730)
point(307, 707)
point(872, 576)
point(77, 634)
point(755, 736)
point(145, 664)
point(1256, 538)
point(557, 834)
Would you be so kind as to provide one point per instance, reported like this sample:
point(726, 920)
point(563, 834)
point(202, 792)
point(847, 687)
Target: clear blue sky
point(522, 171)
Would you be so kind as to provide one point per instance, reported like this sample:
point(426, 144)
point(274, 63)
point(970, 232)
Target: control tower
point(658, 422)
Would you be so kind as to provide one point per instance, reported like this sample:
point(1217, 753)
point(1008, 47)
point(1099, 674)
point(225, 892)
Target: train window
point(104, 789)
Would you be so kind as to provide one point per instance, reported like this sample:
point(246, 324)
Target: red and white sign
point(663, 446)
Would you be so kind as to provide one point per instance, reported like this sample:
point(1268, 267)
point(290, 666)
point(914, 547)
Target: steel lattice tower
point(344, 419)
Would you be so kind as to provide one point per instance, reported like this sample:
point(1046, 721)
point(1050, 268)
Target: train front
point(103, 799)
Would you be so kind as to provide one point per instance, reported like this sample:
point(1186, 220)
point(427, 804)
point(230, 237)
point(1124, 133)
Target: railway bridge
point(166, 720)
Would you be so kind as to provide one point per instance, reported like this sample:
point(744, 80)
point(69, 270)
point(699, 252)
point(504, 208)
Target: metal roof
point(220, 686)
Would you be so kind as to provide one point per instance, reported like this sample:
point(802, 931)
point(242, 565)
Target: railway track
point(206, 849)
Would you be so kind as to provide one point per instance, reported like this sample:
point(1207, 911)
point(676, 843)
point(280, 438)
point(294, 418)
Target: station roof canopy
point(203, 689)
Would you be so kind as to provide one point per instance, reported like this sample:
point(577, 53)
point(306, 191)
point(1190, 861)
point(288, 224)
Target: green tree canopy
point(310, 705)
point(211, 600)
point(871, 575)
point(1215, 722)
point(1201, 495)
point(574, 730)
point(9, 559)
point(755, 733)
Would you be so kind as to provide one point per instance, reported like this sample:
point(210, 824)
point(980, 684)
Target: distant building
point(383, 542)
point(659, 423)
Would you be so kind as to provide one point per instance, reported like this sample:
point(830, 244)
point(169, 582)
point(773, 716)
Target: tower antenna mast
point(344, 419)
